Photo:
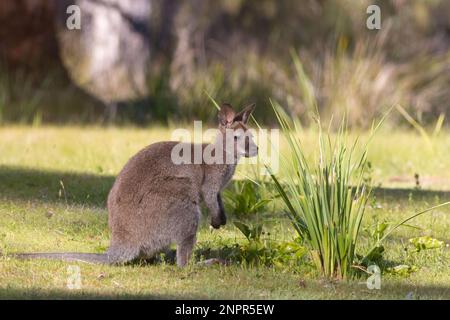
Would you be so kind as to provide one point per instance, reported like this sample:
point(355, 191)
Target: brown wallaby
point(155, 202)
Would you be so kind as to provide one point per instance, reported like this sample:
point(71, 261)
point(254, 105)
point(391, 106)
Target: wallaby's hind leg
point(184, 250)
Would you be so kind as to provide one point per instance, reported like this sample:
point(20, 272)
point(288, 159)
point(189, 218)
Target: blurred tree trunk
point(110, 54)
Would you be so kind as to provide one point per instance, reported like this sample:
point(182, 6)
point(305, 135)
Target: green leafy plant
point(403, 270)
point(375, 233)
point(245, 198)
point(265, 251)
point(426, 243)
point(252, 233)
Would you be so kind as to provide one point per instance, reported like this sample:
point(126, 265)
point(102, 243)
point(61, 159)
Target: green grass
point(38, 214)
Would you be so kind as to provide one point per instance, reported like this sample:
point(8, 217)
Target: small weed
point(426, 243)
point(402, 270)
point(265, 251)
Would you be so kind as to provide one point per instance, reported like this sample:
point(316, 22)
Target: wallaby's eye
point(235, 138)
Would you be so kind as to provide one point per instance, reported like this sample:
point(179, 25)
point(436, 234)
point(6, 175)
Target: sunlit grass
point(396, 155)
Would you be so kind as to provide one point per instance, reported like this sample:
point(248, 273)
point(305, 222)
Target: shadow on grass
point(410, 291)
point(316, 289)
point(18, 183)
point(12, 293)
point(400, 194)
point(397, 289)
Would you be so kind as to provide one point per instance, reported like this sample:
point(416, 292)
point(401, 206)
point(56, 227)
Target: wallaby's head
point(236, 136)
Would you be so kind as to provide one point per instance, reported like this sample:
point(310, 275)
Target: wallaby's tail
point(65, 256)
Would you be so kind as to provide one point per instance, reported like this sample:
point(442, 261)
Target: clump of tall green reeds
point(325, 202)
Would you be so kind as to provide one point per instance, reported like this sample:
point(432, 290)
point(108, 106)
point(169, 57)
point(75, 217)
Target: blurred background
point(142, 62)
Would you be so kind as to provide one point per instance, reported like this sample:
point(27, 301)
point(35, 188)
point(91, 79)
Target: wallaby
point(155, 202)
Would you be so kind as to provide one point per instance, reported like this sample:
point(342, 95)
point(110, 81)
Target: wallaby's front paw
point(216, 223)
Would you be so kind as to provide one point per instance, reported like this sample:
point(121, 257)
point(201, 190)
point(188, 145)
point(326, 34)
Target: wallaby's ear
point(244, 115)
point(226, 114)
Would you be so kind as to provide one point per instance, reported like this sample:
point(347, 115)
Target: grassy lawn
point(53, 186)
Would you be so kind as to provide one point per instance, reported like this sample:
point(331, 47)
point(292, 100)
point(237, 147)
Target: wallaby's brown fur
point(155, 202)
